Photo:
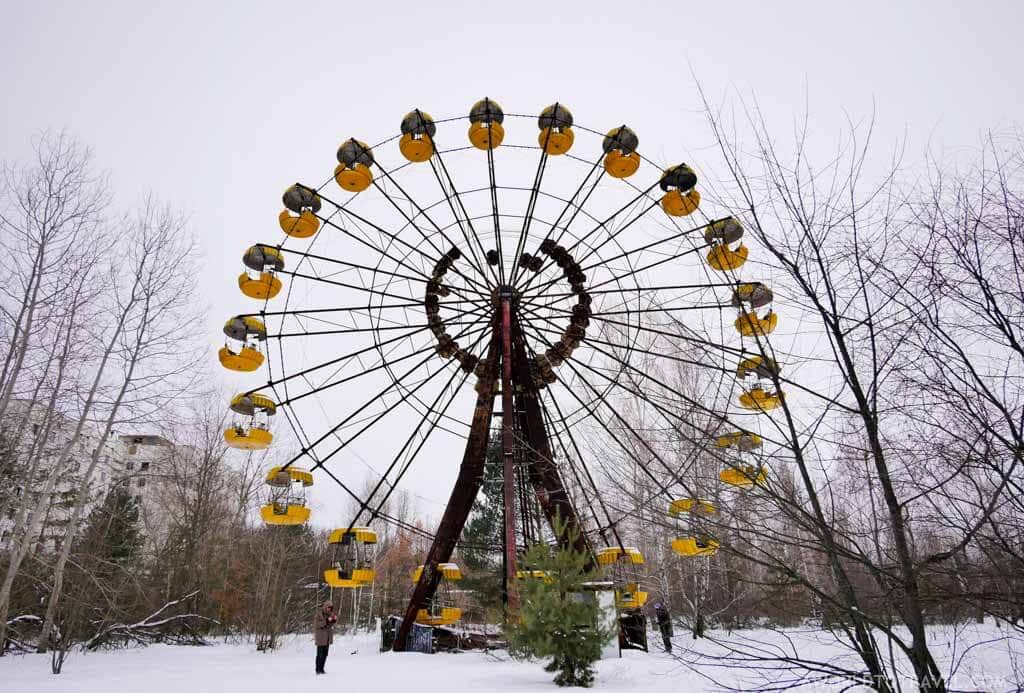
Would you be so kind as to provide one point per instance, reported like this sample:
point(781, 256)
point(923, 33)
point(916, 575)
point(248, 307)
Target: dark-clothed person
point(664, 620)
point(323, 634)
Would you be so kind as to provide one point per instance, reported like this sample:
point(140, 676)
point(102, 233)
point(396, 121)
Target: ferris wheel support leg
point(542, 471)
point(547, 481)
point(467, 485)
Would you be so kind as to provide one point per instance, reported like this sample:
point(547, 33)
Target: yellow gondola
point(753, 325)
point(302, 226)
point(242, 438)
point(695, 546)
point(287, 503)
point(748, 298)
point(610, 555)
point(258, 281)
point(284, 514)
point(276, 476)
point(741, 440)
point(299, 219)
point(353, 170)
point(241, 350)
point(449, 571)
point(486, 130)
point(630, 596)
point(556, 136)
point(692, 539)
point(417, 143)
point(759, 399)
point(760, 396)
point(744, 475)
point(251, 431)
point(263, 286)
point(721, 235)
point(680, 198)
point(353, 566)
point(696, 506)
point(621, 159)
point(440, 611)
point(619, 563)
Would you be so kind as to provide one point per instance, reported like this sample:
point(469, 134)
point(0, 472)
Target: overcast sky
point(216, 107)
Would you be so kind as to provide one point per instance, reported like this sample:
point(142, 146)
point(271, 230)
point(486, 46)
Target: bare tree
point(49, 211)
point(51, 214)
point(148, 356)
point(902, 355)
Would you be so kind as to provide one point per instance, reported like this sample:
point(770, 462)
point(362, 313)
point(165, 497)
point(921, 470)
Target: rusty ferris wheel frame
point(511, 315)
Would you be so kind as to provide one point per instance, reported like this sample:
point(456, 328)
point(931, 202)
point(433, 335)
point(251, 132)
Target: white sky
point(216, 107)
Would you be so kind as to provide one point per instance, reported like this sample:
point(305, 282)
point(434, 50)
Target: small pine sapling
point(558, 618)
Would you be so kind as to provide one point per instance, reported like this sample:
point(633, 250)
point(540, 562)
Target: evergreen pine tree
point(557, 617)
point(482, 535)
point(113, 530)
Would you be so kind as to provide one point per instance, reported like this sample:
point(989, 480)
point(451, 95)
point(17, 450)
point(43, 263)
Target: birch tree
point(50, 210)
point(149, 354)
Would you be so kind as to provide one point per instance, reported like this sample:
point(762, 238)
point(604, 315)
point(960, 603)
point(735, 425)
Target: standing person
point(323, 634)
point(664, 620)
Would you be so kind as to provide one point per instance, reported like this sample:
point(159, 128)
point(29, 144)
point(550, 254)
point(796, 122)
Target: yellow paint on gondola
point(611, 554)
point(362, 535)
point(444, 617)
point(416, 149)
point(284, 514)
point(246, 360)
point(695, 546)
point(302, 226)
point(556, 141)
point(680, 204)
point(355, 179)
point(630, 596)
point(285, 477)
point(486, 135)
point(723, 259)
point(751, 325)
point(449, 571)
point(696, 506)
point(264, 287)
point(760, 400)
point(744, 475)
point(241, 438)
point(619, 165)
point(360, 577)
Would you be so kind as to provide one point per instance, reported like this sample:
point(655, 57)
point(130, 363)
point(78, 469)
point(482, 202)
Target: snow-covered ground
point(986, 659)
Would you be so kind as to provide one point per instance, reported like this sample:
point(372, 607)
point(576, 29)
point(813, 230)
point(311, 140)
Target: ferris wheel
point(511, 259)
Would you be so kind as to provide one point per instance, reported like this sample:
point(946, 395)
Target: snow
point(986, 658)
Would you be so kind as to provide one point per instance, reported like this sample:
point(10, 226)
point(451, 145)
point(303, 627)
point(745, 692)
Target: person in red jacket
point(323, 634)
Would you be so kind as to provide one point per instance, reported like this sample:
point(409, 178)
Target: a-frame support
point(467, 485)
point(520, 406)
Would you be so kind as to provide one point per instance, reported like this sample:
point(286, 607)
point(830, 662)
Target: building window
point(144, 466)
point(142, 482)
point(129, 466)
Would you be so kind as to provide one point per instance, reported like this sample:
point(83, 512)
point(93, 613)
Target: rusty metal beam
point(467, 485)
point(508, 419)
point(543, 472)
